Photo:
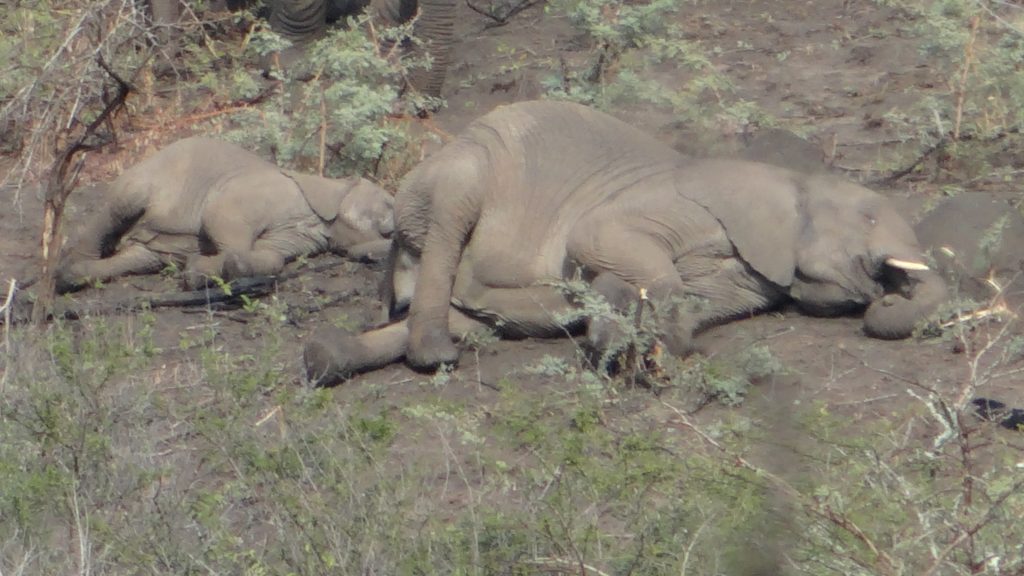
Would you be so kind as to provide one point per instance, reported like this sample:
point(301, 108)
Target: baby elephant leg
point(133, 259)
point(230, 264)
point(231, 251)
point(257, 262)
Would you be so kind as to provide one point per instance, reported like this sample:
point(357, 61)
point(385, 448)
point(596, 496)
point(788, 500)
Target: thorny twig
point(6, 309)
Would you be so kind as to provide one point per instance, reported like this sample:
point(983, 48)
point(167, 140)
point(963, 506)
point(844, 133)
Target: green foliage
point(220, 464)
point(977, 49)
point(332, 113)
point(726, 379)
point(630, 44)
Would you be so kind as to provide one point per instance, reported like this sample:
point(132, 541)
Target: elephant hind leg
point(333, 355)
point(134, 259)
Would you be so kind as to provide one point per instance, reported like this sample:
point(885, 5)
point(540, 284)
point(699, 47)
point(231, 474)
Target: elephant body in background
point(977, 241)
point(303, 21)
point(537, 193)
point(220, 210)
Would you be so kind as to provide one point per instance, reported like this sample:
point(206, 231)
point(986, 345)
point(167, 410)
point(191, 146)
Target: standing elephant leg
point(333, 355)
point(436, 28)
point(298, 20)
point(166, 18)
point(430, 343)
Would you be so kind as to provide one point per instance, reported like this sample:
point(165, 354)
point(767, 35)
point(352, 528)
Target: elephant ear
point(758, 205)
point(324, 195)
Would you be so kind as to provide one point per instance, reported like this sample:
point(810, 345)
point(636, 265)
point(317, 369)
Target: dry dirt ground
point(829, 69)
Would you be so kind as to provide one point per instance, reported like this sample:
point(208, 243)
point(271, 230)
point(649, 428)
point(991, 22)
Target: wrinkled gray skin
point(303, 21)
point(219, 210)
point(536, 192)
point(974, 237)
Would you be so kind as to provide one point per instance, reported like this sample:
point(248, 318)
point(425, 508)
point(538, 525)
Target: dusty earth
point(828, 69)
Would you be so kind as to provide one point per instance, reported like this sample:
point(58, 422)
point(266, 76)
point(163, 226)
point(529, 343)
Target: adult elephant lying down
point(537, 192)
point(220, 210)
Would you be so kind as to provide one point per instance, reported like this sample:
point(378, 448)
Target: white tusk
point(906, 264)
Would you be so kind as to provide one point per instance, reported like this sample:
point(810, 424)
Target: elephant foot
point(66, 283)
point(200, 271)
point(606, 337)
point(236, 267)
point(332, 356)
point(193, 280)
point(429, 353)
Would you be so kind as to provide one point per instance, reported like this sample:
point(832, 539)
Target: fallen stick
point(255, 287)
point(248, 287)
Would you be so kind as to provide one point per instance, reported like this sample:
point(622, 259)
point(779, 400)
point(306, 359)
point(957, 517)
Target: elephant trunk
point(435, 27)
point(895, 315)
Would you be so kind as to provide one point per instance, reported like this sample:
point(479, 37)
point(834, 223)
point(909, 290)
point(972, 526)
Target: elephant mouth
point(897, 276)
point(846, 291)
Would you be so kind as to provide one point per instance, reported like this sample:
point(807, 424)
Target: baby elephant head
point(365, 214)
point(356, 211)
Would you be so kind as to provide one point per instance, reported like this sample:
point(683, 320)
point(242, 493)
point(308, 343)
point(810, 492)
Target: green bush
point(627, 45)
point(976, 50)
point(332, 113)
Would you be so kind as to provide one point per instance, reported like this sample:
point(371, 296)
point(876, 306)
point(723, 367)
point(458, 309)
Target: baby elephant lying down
point(537, 193)
point(220, 210)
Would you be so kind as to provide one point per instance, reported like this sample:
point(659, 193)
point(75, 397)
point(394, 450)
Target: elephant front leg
point(201, 269)
point(233, 250)
point(333, 355)
point(625, 261)
point(430, 342)
point(677, 316)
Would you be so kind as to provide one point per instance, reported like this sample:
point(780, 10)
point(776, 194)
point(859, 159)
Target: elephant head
point(358, 213)
point(834, 246)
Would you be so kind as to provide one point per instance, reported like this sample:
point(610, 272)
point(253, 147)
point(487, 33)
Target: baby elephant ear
point(757, 205)
point(324, 195)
